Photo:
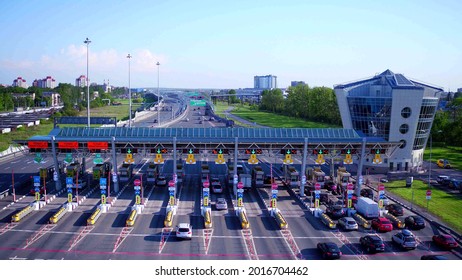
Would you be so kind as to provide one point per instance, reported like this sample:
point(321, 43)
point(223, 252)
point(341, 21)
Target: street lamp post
point(87, 41)
point(129, 94)
point(158, 96)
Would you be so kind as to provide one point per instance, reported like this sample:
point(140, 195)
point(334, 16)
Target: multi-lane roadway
point(71, 238)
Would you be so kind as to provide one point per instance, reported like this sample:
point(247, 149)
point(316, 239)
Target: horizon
point(213, 45)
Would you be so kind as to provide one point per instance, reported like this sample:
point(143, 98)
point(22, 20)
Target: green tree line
point(317, 104)
point(447, 126)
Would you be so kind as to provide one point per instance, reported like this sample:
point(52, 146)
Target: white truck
point(368, 208)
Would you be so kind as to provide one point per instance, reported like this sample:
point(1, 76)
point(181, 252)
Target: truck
point(101, 170)
point(291, 176)
point(179, 172)
point(368, 208)
point(152, 172)
point(125, 172)
point(230, 175)
point(316, 175)
point(246, 179)
point(74, 170)
point(258, 176)
point(205, 172)
point(343, 178)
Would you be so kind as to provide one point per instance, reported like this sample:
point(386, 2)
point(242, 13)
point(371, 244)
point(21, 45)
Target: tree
point(232, 97)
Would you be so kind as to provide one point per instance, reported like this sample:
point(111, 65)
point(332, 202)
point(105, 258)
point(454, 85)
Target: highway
point(34, 238)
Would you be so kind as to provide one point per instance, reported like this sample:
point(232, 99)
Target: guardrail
point(397, 222)
point(328, 221)
point(244, 222)
point(282, 223)
point(94, 217)
point(207, 219)
point(362, 221)
point(131, 218)
point(58, 215)
point(168, 219)
point(21, 214)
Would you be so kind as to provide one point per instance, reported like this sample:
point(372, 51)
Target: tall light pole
point(129, 94)
point(87, 41)
point(158, 96)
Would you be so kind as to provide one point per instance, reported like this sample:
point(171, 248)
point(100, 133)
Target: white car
point(184, 231)
point(348, 223)
point(405, 239)
point(221, 204)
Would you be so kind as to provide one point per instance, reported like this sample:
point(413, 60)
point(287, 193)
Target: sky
point(224, 44)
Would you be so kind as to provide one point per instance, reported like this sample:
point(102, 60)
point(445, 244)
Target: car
point(443, 163)
point(187, 119)
point(455, 184)
point(414, 222)
point(372, 243)
point(200, 122)
point(383, 180)
point(155, 121)
point(405, 239)
point(211, 119)
point(433, 257)
point(183, 231)
point(445, 240)
point(332, 187)
point(217, 188)
point(441, 178)
point(161, 180)
point(382, 224)
point(335, 211)
point(395, 209)
point(367, 193)
point(221, 204)
point(329, 250)
point(348, 223)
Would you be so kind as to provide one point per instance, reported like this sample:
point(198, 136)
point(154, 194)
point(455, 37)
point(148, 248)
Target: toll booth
point(125, 172)
point(152, 172)
point(258, 176)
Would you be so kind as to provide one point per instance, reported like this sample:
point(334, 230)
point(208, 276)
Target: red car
point(445, 240)
point(382, 224)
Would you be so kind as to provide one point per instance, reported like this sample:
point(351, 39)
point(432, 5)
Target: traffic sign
point(206, 184)
point(69, 159)
point(206, 189)
point(55, 176)
point(171, 183)
point(103, 199)
point(240, 191)
point(274, 191)
point(36, 179)
point(240, 185)
point(114, 177)
point(68, 180)
point(137, 192)
point(98, 159)
point(240, 195)
point(273, 196)
point(175, 178)
point(69, 190)
point(103, 191)
point(137, 188)
point(37, 189)
point(303, 180)
point(316, 195)
point(137, 182)
point(350, 186)
point(360, 179)
point(206, 194)
point(236, 179)
point(381, 187)
point(69, 197)
point(274, 186)
point(103, 182)
point(171, 193)
point(317, 186)
point(350, 196)
point(429, 192)
point(172, 189)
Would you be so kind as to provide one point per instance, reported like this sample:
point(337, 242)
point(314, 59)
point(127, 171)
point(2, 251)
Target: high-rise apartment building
point(20, 82)
point(265, 82)
point(81, 81)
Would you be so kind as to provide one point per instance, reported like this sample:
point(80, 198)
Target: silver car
point(221, 204)
point(184, 231)
point(405, 239)
point(348, 223)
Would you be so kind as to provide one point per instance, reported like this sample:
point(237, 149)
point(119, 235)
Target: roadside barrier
point(131, 219)
point(168, 219)
point(282, 223)
point(244, 222)
point(397, 222)
point(21, 214)
point(328, 221)
point(207, 219)
point(58, 215)
point(362, 221)
point(94, 217)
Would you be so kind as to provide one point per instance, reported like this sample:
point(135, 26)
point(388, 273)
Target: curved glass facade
point(424, 125)
point(371, 115)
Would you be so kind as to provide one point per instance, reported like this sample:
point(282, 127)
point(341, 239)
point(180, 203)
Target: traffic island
point(240, 211)
point(207, 214)
point(282, 223)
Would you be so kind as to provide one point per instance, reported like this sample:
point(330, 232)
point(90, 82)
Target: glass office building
point(392, 107)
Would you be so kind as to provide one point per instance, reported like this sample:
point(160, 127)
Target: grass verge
point(453, 154)
point(446, 206)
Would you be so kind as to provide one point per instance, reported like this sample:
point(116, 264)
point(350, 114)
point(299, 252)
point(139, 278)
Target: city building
point(265, 82)
point(20, 82)
point(48, 82)
point(55, 98)
point(296, 83)
point(392, 107)
point(81, 81)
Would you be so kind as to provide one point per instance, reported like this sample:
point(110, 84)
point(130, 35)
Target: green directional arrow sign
point(220, 151)
point(190, 151)
point(253, 152)
point(68, 158)
point(98, 159)
point(288, 152)
point(158, 151)
point(129, 151)
point(38, 158)
point(348, 151)
point(320, 152)
point(197, 103)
